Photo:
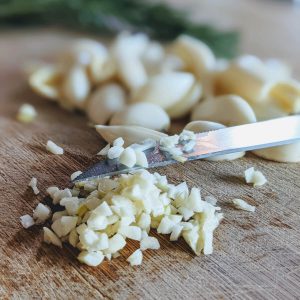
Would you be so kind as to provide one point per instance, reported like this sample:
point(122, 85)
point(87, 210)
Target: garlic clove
point(286, 153)
point(165, 89)
point(187, 103)
point(75, 88)
point(229, 110)
point(196, 55)
point(104, 102)
point(130, 134)
point(147, 115)
point(46, 80)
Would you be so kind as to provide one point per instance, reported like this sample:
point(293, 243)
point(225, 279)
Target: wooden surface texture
point(256, 256)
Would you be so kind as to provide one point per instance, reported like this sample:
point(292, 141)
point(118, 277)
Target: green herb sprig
point(160, 21)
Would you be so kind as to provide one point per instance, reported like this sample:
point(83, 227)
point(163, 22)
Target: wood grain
point(256, 255)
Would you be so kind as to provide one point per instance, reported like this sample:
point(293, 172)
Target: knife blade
point(247, 137)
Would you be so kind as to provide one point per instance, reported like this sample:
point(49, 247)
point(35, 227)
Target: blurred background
point(265, 27)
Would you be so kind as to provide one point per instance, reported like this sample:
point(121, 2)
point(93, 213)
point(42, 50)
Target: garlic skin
point(130, 134)
point(147, 115)
point(196, 55)
point(205, 126)
point(176, 92)
point(46, 81)
point(104, 102)
point(229, 110)
point(75, 88)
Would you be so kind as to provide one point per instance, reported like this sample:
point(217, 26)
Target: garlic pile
point(98, 217)
point(137, 85)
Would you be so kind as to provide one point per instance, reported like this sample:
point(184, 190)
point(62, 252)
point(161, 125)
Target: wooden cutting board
point(256, 255)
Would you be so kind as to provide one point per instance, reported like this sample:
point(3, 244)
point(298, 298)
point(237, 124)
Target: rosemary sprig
point(110, 16)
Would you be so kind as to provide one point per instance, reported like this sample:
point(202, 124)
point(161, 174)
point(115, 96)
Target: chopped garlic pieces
point(53, 148)
point(255, 177)
point(33, 185)
point(26, 221)
point(104, 151)
point(26, 113)
point(51, 238)
point(149, 242)
point(135, 258)
point(75, 175)
point(41, 213)
point(92, 259)
point(115, 152)
point(126, 208)
point(128, 157)
point(243, 205)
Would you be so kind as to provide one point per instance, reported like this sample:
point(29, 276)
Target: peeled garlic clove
point(186, 104)
point(135, 44)
point(168, 90)
point(267, 110)
point(131, 71)
point(46, 81)
point(100, 71)
point(76, 87)
point(142, 114)
point(130, 134)
point(204, 126)
point(104, 102)
point(127, 51)
point(247, 77)
point(153, 57)
point(229, 110)
point(196, 55)
point(171, 63)
point(285, 153)
point(287, 96)
point(82, 51)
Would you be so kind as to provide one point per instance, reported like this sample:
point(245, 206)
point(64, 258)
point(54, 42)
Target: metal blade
point(223, 141)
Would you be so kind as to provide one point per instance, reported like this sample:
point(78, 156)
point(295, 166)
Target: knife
point(247, 137)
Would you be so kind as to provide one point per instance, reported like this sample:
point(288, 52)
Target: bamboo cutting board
point(256, 256)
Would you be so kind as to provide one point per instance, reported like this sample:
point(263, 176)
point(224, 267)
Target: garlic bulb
point(104, 102)
point(176, 92)
point(147, 115)
point(204, 126)
point(229, 110)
